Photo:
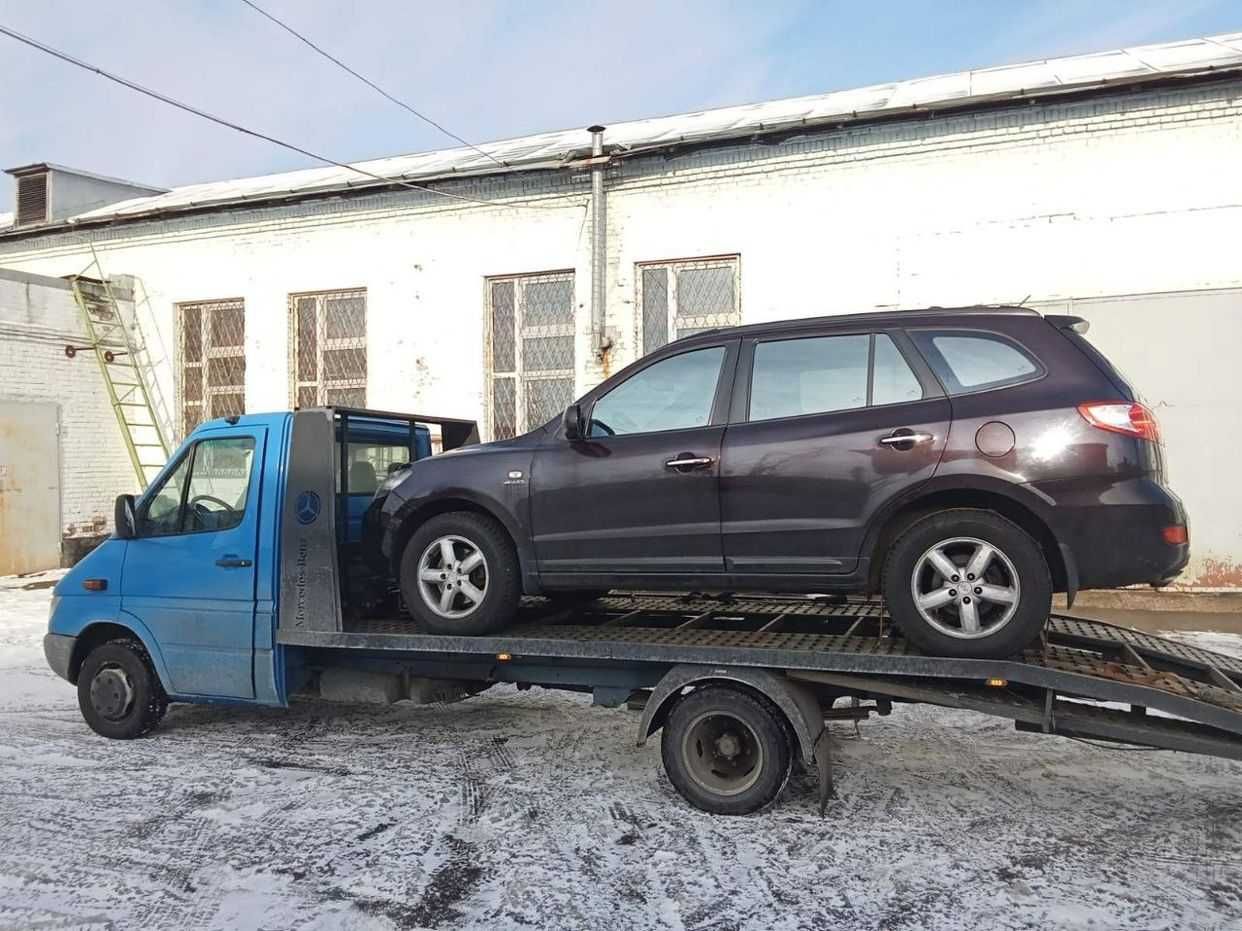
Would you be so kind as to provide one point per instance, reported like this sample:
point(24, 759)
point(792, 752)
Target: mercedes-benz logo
point(307, 507)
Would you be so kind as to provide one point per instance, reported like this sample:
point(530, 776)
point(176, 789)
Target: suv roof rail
point(865, 317)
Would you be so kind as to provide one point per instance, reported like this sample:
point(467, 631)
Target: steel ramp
point(848, 644)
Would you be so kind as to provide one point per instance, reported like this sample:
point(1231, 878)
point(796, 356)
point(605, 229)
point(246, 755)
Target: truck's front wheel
point(460, 575)
point(119, 693)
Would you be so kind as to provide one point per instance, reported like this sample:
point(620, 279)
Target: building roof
point(1030, 80)
point(42, 167)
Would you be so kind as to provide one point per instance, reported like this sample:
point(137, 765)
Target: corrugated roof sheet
point(1058, 75)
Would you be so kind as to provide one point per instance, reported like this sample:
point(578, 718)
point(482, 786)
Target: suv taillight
point(1125, 417)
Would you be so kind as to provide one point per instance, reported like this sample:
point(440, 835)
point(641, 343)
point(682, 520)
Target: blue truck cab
point(189, 587)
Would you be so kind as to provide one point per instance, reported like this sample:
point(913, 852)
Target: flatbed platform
point(844, 647)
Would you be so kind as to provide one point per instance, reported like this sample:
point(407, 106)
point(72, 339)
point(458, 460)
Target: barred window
point(211, 344)
point(328, 349)
point(680, 298)
point(529, 350)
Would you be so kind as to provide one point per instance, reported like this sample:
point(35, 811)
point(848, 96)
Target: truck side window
point(673, 394)
point(213, 497)
point(162, 514)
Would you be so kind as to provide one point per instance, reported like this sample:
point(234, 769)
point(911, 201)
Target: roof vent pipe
point(599, 243)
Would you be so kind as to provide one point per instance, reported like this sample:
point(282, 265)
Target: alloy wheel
point(965, 587)
point(452, 576)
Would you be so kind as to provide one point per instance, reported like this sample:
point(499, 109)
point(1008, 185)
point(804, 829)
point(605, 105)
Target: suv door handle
point(896, 439)
point(233, 562)
point(687, 463)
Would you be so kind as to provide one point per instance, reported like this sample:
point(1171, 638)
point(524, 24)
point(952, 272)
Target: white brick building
point(1106, 182)
point(83, 465)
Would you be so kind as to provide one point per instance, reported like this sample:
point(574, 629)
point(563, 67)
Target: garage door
point(29, 487)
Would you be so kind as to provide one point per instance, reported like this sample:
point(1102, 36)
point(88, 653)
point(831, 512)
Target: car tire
point(482, 596)
point(726, 751)
point(119, 691)
point(978, 615)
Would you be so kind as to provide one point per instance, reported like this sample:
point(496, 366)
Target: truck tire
point(969, 583)
point(119, 692)
point(726, 751)
point(460, 575)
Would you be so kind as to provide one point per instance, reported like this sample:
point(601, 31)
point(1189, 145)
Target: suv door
point(189, 572)
point(638, 495)
point(815, 447)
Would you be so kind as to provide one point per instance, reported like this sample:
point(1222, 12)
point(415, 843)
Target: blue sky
point(488, 70)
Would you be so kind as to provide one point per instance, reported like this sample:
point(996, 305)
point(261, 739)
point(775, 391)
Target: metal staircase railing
point(127, 367)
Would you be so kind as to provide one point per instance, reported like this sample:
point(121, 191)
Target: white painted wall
point(1137, 194)
point(38, 318)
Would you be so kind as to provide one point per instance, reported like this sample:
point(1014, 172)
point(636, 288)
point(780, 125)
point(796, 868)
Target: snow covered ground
point(532, 810)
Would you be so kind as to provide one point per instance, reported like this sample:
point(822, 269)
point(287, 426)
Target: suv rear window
point(967, 361)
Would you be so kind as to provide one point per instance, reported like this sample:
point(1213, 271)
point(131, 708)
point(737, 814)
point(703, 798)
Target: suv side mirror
point(572, 421)
point(123, 518)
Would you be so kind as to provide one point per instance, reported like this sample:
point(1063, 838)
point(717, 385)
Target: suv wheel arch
point(410, 520)
point(1059, 558)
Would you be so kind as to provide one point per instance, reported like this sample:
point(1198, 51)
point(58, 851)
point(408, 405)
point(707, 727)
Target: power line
point(369, 83)
point(156, 95)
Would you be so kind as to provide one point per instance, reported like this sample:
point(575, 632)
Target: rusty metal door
point(29, 487)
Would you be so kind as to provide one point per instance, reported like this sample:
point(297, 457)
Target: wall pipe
point(599, 243)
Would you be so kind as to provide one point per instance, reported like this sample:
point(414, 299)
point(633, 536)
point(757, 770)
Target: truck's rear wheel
point(119, 692)
point(726, 751)
point(460, 574)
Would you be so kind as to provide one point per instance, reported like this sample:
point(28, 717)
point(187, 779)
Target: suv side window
point(205, 492)
point(967, 361)
point(822, 374)
point(673, 394)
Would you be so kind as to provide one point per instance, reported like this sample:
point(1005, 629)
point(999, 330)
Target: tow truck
point(237, 577)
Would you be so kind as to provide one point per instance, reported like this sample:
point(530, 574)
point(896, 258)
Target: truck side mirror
point(572, 421)
point(123, 518)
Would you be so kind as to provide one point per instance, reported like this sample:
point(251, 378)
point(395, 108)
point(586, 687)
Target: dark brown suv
point(964, 463)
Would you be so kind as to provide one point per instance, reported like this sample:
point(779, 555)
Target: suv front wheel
point(968, 583)
point(459, 575)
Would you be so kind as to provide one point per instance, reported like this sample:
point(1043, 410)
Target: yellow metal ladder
point(127, 367)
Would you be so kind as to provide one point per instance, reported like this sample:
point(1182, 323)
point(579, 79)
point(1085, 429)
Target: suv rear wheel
point(968, 583)
point(459, 574)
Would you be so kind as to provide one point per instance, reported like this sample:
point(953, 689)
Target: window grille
point(529, 350)
point(680, 298)
point(211, 342)
point(328, 349)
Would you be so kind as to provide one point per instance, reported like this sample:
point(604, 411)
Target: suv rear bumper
point(1115, 531)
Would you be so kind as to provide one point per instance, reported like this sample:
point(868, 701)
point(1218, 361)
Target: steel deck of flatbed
point(849, 644)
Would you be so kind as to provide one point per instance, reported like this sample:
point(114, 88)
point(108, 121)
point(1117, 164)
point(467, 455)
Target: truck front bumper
point(59, 652)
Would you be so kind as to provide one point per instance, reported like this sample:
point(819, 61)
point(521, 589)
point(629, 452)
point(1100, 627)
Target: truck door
point(189, 573)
